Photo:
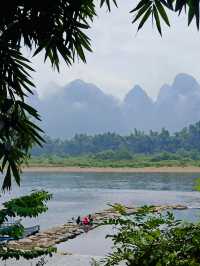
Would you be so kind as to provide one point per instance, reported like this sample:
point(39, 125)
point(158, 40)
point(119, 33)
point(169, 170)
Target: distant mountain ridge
point(82, 107)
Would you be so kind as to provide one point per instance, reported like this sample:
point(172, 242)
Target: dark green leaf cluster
point(17, 132)
point(149, 238)
point(156, 10)
point(108, 3)
point(56, 27)
point(26, 206)
point(8, 253)
point(16, 231)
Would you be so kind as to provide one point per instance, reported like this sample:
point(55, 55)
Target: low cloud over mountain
point(81, 107)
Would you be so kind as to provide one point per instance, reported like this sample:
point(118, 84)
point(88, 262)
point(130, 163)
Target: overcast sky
point(122, 57)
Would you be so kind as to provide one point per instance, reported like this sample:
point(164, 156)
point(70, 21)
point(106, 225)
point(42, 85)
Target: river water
point(82, 193)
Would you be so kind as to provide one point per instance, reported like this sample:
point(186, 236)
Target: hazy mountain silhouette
point(137, 109)
point(81, 107)
point(178, 105)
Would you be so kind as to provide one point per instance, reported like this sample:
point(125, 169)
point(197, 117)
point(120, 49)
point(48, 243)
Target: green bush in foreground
point(26, 206)
point(154, 239)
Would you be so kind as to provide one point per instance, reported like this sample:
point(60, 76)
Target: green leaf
point(5, 160)
point(168, 4)
point(28, 108)
point(179, 5)
point(162, 12)
point(145, 17)
point(157, 19)
point(15, 171)
point(140, 5)
point(191, 12)
point(7, 180)
point(28, 206)
point(102, 2)
point(141, 12)
point(80, 51)
point(39, 49)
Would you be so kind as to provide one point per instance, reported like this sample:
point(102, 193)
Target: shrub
point(154, 239)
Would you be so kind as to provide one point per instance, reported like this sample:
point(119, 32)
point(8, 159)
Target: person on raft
point(86, 221)
point(78, 220)
point(90, 219)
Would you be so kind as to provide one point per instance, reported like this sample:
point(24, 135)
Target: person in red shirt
point(85, 220)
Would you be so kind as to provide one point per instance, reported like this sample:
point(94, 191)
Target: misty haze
point(81, 107)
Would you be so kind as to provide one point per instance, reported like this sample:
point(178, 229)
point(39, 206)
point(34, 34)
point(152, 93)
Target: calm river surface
point(81, 193)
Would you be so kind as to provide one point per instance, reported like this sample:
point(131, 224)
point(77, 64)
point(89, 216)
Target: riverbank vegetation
point(138, 142)
point(136, 161)
point(149, 238)
point(139, 149)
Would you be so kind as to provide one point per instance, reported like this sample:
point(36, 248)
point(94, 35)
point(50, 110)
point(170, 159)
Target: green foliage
point(113, 155)
point(138, 161)
point(139, 149)
point(118, 208)
point(17, 132)
point(8, 253)
point(197, 185)
point(164, 156)
point(149, 238)
point(156, 10)
point(26, 206)
point(93, 262)
point(16, 231)
point(185, 143)
point(58, 29)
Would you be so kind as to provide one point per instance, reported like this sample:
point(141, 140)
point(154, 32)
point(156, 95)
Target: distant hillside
point(81, 107)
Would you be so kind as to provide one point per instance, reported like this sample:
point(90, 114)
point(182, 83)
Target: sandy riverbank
point(62, 169)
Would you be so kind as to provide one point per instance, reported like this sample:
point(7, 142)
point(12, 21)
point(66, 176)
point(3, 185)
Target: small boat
point(28, 231)
point(5, 239)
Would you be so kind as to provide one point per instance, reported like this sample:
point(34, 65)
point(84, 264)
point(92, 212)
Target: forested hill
point(188, 139)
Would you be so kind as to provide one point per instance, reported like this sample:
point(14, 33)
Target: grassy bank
point(138, 161)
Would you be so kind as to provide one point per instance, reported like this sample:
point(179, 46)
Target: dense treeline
point(111, 144)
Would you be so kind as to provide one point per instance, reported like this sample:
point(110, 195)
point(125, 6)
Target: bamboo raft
point(68, 231)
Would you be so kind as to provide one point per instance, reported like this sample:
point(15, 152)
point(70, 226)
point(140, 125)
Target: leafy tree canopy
point(54, 26)
point(113, 146)
point(57, 28)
